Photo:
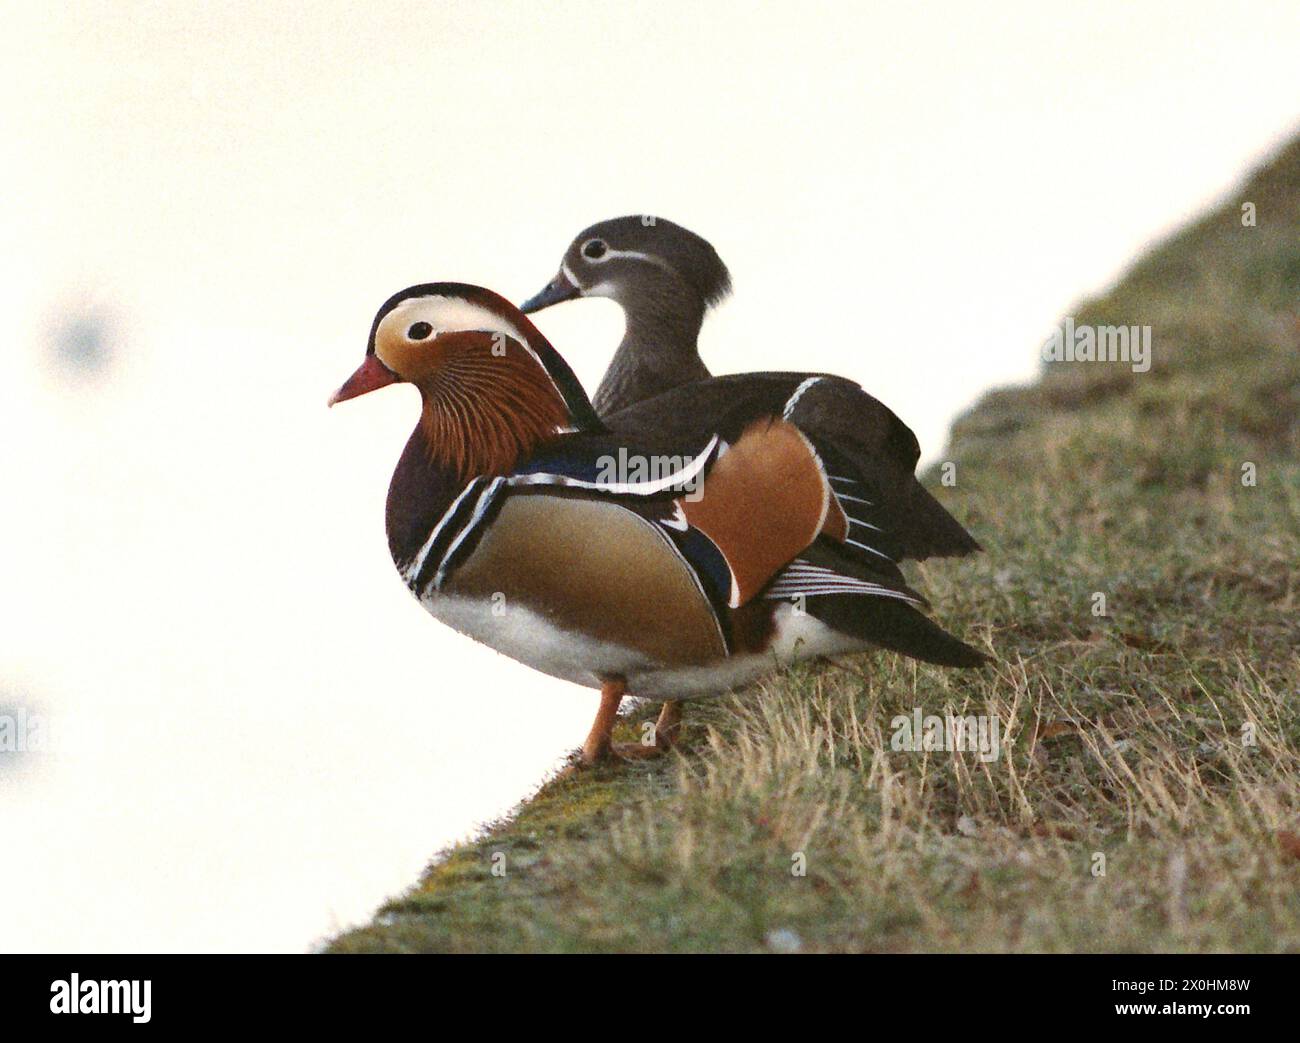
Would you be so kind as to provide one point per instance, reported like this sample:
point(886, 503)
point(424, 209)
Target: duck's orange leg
point(669, 726)
point(600, 746)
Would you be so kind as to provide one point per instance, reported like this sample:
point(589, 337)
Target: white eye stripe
point(634, 255)
point(454, 314)
point(605, 289)
point(457, 315)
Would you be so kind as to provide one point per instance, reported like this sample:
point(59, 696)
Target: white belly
point(529, 638)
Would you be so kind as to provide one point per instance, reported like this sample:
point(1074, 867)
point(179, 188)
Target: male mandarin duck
point(665, 278)
point(669, 553)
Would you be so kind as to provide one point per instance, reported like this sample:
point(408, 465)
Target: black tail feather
point(933, 532)
point(895, 625)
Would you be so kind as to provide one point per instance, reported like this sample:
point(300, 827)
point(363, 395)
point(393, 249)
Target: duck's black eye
point(419, 330)
point(594, 249)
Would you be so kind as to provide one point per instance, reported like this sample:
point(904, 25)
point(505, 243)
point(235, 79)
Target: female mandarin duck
point(682, 552)
point(665, 278)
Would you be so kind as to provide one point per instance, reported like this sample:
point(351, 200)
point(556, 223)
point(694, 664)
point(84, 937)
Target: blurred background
point(249, 733)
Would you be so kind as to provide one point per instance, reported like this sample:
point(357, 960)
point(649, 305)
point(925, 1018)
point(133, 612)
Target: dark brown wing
point(864, 445)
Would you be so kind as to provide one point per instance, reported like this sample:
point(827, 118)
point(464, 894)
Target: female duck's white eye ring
point(419, 330)
point(594, 249)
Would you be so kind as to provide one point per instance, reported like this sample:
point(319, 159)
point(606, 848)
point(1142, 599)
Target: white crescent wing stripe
point(658, 485)
point(865, 525)
point(802, 577)
point(812, 592)
point(879, 554)
point(480, 508)
point(793, 400)
point(418, 564)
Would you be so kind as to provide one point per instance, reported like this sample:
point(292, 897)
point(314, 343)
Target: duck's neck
point(481, 415)
point(659, 350)
point(421, 490)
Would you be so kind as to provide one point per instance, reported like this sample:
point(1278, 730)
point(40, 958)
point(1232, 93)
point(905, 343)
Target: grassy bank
point(1148, 792)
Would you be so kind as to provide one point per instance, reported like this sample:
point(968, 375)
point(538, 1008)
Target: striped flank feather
point(802, 578)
